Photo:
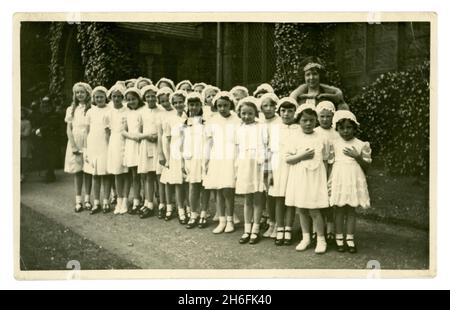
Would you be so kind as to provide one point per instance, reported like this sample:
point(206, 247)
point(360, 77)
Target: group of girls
point(174, 147)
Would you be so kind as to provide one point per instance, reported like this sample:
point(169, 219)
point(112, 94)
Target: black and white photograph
point(224, 145)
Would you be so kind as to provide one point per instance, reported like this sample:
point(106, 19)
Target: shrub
point(394, 112)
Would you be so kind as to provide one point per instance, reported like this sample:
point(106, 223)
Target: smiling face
point(287, 114)
point(308, 121)
point(164, 102)
point(223, 107)
point(178, 103)
point(248, 114)
point(312, 78)
point(133, 100)
point(100, 99)
point(346, 129)
point(80, 94)
point(268, 107)
point(150, 99)
point(194, 107)
point(117, 99)
point(325, 119)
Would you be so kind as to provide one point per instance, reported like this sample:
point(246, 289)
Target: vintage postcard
point(224, 145)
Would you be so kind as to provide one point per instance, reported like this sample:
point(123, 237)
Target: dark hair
point(261, 91)
point(249, 104)
point(286, 105)
point(232, 106)
point(313, 59)
point(194, 100)
point(340, 122)
point(141, 102)
point(308, 112)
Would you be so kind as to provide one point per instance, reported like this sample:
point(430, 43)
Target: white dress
point(221, 167)
point(74, 163)
point(133, 126)
point(148, 151)
point(98, 120)
point(174, 128)
point(329, 134)
point(347, 182)
point(272, 128)
point(251, 141)
point(208, 113)
point(116, 149)
point(307, 180)
point(164, 116)
point(281, 138)
point(193, 149)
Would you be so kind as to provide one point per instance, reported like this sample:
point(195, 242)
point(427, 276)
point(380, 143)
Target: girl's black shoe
point(287, 237)
point(192, 223)
point(245, 238)
point(351, 249)
point(254, 238)
point(78, 208)
point(96, 209)
point(146, 212)
point(279, 240)
point(340, 248)
point(202, 222)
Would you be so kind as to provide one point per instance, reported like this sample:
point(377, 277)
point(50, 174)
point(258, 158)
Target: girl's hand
point(153, 138)
point(351, 152)
point(307, 154)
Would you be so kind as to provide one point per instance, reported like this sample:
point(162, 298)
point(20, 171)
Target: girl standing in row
point(76, 135)
point(116, 148)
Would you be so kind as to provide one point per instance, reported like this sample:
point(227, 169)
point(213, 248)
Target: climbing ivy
point(293, 44)
point(56, 70)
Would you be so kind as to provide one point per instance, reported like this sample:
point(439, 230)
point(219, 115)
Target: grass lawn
point(398, 199)
point(47, 245)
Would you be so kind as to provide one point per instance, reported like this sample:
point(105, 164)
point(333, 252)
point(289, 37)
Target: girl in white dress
point(98, 122)
point(307, 180)
point(76, 136)
point(280, 141)
point(165, 208)
point(173, 133)
point(251, 142)
point(132, 131)
point(116, 148)
point(347, 181)
point(220, 159)
point(193, 155)
point(325, 111)
point(238, 93)
point(272, 121)
point(208, 95)
point(148, 149)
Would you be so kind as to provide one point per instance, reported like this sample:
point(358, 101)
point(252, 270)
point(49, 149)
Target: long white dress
point(133, 126)
point(98, 120)
point(148, 151)
point(307, 180)
point(116, 149)
point(194, 149)
point(174, 128)
point(281, 138)
point(74, 163)
point(330, 134)
point(251, 141)
point(347, 183)
point(221, 167)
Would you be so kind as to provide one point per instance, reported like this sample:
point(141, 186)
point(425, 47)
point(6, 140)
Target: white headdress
point(146, 88)
point(166, 80)
point(164, 91)
point(183, 82)
point(344, 114)
point(325, 105)
point(263, 87)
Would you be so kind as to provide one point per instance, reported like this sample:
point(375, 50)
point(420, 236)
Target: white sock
point(105, 201)
point(119, 201)
point(150, 205)
point(255, 228)
point(169, 207)
point(349, 240)
point(125, 202)
point(135, 202)
point(247, 228)
point(229, 219)
point(78, 199)
point(146, 202)
point(194, 215)
point(321, 238)
point(96, 202)
point(87, 198)
point(161, 206)
point(203, 214)
point(340, 239)
point(306, 237)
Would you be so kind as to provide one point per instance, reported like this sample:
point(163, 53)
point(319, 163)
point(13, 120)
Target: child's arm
point(162, 158)
point(292, 159)
point(300, 92)
point(331, 93)
point(361, 159)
